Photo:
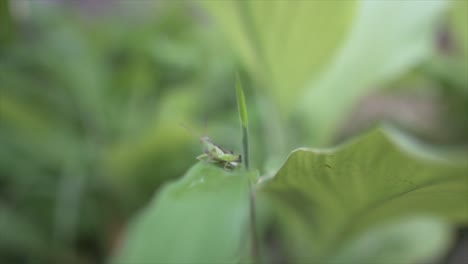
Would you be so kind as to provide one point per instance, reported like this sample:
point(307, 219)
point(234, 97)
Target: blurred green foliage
point(90, 112)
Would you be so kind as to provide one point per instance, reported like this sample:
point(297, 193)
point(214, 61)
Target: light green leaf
point(283, 43)
point(456, 67)
point(459, 23)
point(202, 218)
point(379, 48)
point(325, 198)
point(398, 242)
point(241, 105)
point(158, 140)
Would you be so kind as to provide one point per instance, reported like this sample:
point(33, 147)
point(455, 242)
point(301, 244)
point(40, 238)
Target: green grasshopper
point(217, 155)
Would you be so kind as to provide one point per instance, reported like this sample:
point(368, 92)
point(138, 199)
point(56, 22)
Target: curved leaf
point(284, 42)
point(398, 242)
point(324, 198)
point(378, 49)
point(199, 219)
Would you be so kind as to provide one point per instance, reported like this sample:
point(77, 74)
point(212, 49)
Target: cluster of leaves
point(367, 202)
point(382, 198)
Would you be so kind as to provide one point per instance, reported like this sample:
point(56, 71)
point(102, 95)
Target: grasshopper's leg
point(203, 157)
point(206, 158)
point(228, 166)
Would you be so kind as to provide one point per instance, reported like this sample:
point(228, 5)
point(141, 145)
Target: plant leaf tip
point(241, 102)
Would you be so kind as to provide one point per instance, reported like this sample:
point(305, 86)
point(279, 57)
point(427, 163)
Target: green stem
point(245, 147)
point(255, 252)
point(242, 107)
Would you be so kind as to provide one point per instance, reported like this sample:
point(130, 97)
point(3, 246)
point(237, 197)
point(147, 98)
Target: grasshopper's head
point(205, 140)
point(206, 143)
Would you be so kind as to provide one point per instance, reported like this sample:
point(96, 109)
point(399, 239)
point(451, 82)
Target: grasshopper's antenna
point(191, 131)
point(204, 125)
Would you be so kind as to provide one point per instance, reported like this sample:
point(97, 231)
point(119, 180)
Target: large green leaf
point(378, 49)
point(325, 198)
point(284, 43)
point(199, 219)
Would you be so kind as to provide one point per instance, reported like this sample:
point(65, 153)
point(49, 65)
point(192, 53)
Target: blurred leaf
point(16, 233)
point(22, 117)
point(199, 219)
point(284, 42)
point(457, 67)
point(459, 23)
point(450, 70)
point(379, 48)
point(157, 141)
point(162, 147)
point(6, 23)
point(325, 198)
point(29, 129)
point(398, 242)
